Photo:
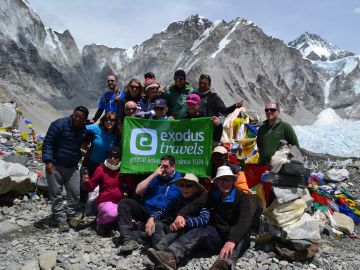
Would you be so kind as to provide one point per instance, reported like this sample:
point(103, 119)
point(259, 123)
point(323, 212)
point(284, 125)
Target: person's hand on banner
point(216, 120)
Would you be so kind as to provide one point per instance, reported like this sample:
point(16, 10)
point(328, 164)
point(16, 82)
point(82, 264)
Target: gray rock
point(31, 265)
point(8, 227)
point(5, 210)
point(262, 257)
point(23, 223)
point(47, 261)
point(283, 263)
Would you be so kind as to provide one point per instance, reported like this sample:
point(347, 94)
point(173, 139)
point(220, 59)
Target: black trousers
point(129, 210)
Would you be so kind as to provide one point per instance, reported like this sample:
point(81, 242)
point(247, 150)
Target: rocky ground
point(28, 240)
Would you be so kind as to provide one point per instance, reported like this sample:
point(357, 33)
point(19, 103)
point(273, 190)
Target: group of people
point(171, 213)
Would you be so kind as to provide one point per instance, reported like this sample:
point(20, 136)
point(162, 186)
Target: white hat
point(220, 149)
point(190, 177)
point(224, 171)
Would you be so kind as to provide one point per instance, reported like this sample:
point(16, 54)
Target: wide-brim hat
point(190, 177)
point(224, 172)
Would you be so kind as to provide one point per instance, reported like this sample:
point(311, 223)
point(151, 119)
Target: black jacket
point(231, 217)
point(217, 130)
point(212, 105)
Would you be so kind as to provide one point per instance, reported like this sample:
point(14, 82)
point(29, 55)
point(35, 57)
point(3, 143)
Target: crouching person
point(230, 215)
point(113, 186)
point(168, 235)
point(157, 191)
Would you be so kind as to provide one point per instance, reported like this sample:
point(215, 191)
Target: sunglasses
point(188, 185)
point(153, 88)
point(179, 78)
point(131, 109)
point(110, 121)
point(270, 110)
point(114, 156)
point(134, 87)
point(205, 76)
point(110, 81)
point(159, 108)
point(164, 166)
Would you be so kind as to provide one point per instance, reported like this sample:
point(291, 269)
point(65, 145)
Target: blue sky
point(123, 24)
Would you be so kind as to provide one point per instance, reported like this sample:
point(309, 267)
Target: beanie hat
point(150, 83)
point(149, 75)
point(179, 74)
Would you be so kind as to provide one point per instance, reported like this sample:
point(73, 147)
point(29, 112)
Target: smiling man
point(61, 153)
point(109, 100)
point(272, 131)
point(156, 191)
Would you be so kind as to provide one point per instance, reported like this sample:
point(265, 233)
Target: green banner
point(145, 141)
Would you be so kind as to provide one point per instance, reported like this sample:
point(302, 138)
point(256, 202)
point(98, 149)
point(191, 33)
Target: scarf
point(112, 167)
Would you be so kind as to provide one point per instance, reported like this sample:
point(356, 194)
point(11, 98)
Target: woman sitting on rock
point(113, 186)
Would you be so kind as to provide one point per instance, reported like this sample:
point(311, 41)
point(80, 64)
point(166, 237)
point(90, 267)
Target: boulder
point(8, 116)
point(47, 261)
point(8, 227)
point(344, 223)
point(307, 227)
point(287, 194)
point(337, 175)
point(16, 177)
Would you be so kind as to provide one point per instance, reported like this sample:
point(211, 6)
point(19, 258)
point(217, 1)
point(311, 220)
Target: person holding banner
point(193, 111)
point(156, 191)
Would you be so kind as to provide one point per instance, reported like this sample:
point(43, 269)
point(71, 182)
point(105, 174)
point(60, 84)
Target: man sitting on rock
point(231, 216)
point(157, 191)
point(61, 153)
point(157, 226)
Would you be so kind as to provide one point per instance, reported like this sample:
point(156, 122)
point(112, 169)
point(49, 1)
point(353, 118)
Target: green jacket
point(176, 100)
point(268, 138)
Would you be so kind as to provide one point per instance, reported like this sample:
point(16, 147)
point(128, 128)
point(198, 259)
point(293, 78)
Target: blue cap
point(160, 103)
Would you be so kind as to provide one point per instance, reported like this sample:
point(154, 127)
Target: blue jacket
point(160, 192)
point(62, 143)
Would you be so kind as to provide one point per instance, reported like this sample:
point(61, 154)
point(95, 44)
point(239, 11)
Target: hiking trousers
point(130, 214)
point(70, 179)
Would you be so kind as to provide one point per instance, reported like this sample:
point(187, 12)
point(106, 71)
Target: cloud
point(356, 10)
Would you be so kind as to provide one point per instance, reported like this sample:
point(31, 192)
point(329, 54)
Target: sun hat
point(150, 83)
point(224, 172)
point(220, 149)
point(190, 177)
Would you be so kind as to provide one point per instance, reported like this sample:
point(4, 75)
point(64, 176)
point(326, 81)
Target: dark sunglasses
point(179, 78)
point(270, 110)
point(131, 109)
point(159, 108)
point(205, 76)
point(134, 87)
point(153, 88)
point(164, 166)
point(110, 81)
point(188, 185)
point(110, 121)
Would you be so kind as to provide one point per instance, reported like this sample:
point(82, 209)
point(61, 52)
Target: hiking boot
point(220, 264)
point(74, 222)
point(163, 259)
point(63, 226)
point(128, 246)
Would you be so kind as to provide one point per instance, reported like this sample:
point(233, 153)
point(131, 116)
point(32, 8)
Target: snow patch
point(204, 36)
point(327, 90)
point(331, 135)
point(226, 40)
point(356, 87)
point(130, 53)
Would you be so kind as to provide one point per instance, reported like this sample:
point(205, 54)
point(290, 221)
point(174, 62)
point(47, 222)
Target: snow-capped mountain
point(243, 61)
point(314, 47)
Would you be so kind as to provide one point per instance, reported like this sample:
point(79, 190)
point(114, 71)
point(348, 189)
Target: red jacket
point(112, 184)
